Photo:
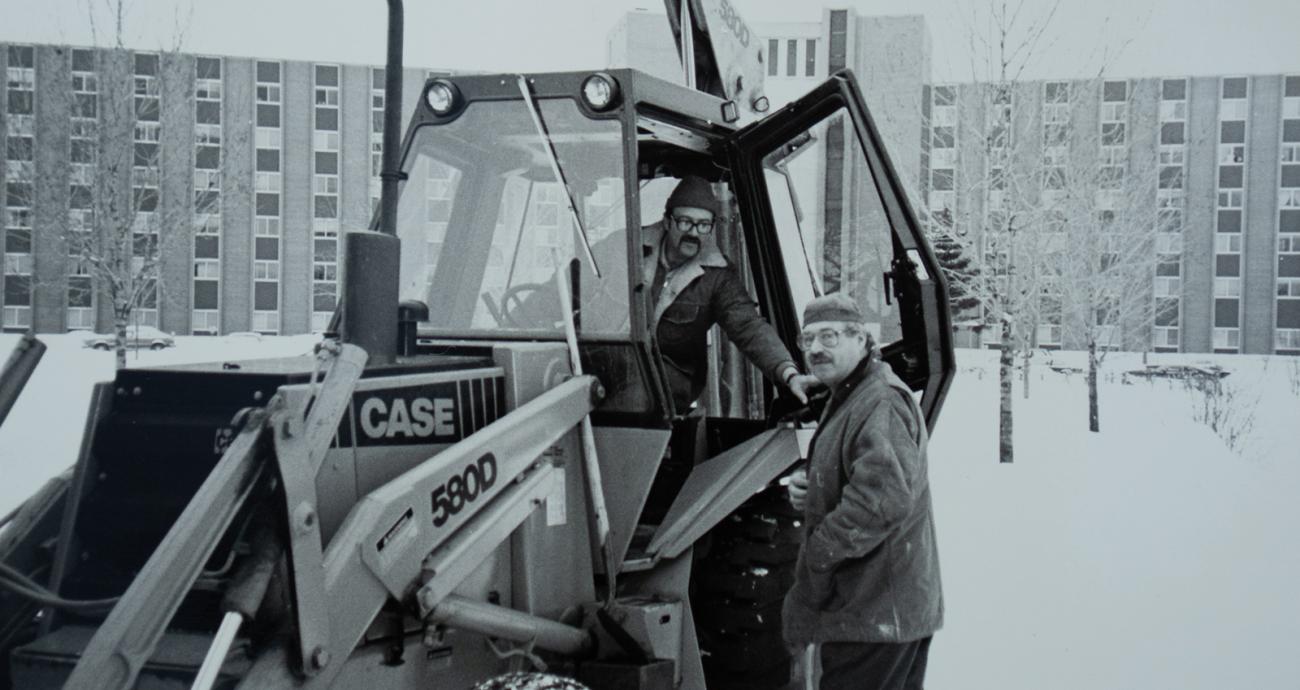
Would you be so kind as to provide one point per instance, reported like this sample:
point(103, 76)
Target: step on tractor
point(481, 470)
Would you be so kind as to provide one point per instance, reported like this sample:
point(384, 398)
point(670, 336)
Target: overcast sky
point(1163, 37)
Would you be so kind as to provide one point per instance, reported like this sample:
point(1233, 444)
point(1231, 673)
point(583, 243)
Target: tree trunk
point(1024, 375)
point(119, 330)
point(1006, 365)
point(1094, 420)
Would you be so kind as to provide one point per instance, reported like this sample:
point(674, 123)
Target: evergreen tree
point(959, 272)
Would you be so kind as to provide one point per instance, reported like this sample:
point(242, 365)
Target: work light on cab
point(442, 96)
point(600, 91)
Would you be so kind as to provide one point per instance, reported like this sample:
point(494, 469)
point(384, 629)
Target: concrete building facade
point(261, 164)
point(1222, 154)
point(241, 172)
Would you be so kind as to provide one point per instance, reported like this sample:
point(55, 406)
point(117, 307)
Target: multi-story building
point(268, 161)
point(1223, 159)
point(257, 164)
point(1220, 156)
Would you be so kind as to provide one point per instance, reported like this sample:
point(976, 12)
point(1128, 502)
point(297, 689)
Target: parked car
point(1202, 373)
point(136, 337)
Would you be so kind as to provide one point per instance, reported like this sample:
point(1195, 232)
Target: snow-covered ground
point(42, 435)
point(1145, 556)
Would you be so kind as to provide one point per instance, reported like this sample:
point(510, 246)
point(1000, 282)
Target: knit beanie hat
point(836, 306)
point(694, 192)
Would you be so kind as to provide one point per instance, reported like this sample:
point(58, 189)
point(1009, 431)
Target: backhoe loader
point(481, 469)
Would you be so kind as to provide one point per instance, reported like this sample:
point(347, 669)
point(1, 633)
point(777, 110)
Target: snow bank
point(1144, 556)
point(43, 433)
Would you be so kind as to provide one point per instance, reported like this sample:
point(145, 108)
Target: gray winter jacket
point(868, 570)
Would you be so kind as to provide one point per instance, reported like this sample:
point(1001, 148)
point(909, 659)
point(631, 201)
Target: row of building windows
point(1286, 332)
point(205, 316)
point(1170, 198)
point(83, 154)
point(267, 166)
point(1229, 218)
point(145, 182)
point(791, 57)
point(325, 194)
point(1230, 180)
point(20, 102)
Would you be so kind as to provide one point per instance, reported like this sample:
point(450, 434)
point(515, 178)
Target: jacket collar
point(849, 384)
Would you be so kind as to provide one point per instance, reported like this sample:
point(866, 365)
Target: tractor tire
point(529, 681)
point(738, 589)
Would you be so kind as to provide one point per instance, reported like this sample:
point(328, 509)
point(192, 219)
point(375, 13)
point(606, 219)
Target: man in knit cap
point(867, 599)
point(692, 287)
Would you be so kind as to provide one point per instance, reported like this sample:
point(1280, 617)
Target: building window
point(1227, 287)
point(810, 58)
point(999, 119)
point(1227, 339)
point(1233, 102)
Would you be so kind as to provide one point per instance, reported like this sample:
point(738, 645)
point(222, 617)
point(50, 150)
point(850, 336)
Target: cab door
point(824, 211)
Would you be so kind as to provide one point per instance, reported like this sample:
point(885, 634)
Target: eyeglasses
point(701, 227)
point(828, 337)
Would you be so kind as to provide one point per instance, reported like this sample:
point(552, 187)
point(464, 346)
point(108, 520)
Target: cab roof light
point(442, 97)
point(600, 91)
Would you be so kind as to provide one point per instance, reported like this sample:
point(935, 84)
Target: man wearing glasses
point(866, 599)
point(692, 288)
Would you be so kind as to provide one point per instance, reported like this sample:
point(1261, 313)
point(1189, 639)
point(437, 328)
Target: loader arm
point(423, 532)
point(127, 638)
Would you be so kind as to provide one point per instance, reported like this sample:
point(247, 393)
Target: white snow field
point(1146, 556)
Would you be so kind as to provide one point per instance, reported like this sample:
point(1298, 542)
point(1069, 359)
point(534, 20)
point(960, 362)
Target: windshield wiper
point(549, 147)
point(784, 172)
point(779, 162)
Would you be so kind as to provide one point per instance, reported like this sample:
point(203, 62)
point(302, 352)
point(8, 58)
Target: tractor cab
point(513, 183)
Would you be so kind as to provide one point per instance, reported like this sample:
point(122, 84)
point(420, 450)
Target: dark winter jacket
point(868, 570)
point(688, 301)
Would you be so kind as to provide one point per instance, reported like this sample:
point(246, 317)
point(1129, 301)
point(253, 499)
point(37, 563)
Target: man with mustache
point(692, 288)
point(867, 599)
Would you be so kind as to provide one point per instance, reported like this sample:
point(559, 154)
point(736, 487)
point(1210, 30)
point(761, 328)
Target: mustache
point(689, 239)
point(819, 359)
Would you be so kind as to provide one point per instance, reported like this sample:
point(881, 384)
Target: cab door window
point(830, 222)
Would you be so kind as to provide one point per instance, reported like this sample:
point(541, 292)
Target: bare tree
point(136, 120)
point(1048, 196)
point(979, 193)
point(999, 179)
point(1106, 224)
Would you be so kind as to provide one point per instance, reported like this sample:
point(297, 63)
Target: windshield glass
point(484, 224)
